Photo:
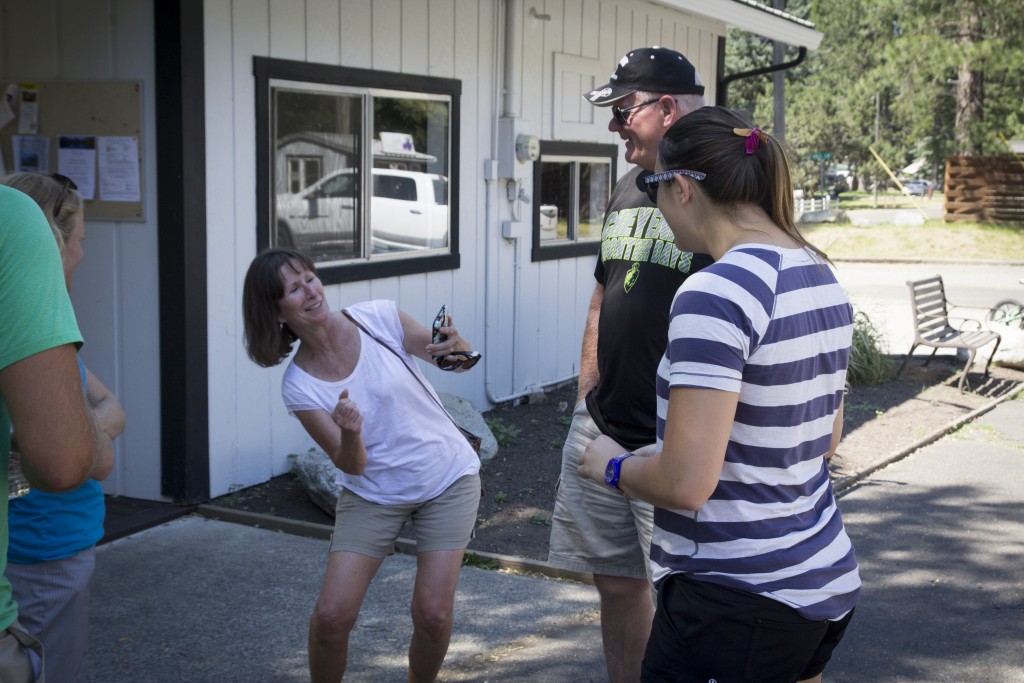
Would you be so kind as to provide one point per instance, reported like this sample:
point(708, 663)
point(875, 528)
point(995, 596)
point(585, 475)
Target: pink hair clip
point(754, 138)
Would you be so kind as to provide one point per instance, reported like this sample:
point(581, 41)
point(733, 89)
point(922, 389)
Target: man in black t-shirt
point(595, 528)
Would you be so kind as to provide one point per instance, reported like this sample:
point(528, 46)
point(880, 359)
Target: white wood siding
point(116, 289)
point(526, 317)
point(250, 432)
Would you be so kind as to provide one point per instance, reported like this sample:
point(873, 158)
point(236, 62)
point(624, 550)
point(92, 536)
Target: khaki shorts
point(442, 523)
point(594, 528)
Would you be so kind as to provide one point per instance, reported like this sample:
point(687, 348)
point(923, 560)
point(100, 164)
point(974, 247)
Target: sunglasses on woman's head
point(648, 182)
point(622, 114)
point(65, 185)
point(464, 360)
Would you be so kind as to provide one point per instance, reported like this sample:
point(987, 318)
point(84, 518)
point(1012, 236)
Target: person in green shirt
point(40, 392)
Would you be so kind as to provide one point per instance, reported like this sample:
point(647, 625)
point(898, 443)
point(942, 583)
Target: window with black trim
point(357, 168)
point(572, 184)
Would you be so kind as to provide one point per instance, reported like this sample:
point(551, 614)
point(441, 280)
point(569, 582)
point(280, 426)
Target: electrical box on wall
point(517, 149)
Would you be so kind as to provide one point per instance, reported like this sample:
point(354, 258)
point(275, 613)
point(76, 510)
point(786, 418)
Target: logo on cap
point(603, 92)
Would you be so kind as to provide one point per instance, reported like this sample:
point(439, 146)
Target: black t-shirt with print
point(641, 269)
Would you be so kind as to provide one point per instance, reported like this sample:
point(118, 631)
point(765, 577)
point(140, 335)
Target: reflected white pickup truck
point(408, 211)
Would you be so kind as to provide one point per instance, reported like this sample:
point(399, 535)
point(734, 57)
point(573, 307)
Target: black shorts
point(703, 631)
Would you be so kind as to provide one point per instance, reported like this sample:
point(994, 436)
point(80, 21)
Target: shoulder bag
point(473, 439)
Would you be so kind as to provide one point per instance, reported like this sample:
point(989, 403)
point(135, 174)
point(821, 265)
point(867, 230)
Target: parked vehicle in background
point(408, 211)
point(915, 187)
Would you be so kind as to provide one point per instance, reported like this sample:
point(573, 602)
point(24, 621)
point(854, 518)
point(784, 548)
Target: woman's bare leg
point(433, 601)
point(345, 584)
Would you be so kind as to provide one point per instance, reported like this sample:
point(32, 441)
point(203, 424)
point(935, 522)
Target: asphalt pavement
point(939, 535)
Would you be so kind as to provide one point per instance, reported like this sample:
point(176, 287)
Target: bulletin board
point(87, 108)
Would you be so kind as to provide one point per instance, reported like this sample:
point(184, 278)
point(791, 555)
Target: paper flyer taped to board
point(119, 168)
point(31, 153)
point(76, 158)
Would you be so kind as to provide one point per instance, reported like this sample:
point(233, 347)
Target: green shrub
point(540, 518)
point(504, 434)
point(868, 363)
point(471, 559)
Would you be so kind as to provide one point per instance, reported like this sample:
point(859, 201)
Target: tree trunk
point(970, 93)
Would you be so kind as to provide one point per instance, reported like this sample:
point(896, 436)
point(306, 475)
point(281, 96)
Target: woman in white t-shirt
point(756, 575)
point(354, 386)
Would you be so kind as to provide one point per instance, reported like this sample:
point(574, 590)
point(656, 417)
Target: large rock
point(317, 473)
point(822, 216)
point(470, 419)
point(1010, 353)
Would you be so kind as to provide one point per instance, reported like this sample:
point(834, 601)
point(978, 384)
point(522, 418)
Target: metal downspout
point(508, 42)
point(721, 97)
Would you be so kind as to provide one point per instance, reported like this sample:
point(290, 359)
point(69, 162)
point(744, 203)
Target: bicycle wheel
point(1007, 312)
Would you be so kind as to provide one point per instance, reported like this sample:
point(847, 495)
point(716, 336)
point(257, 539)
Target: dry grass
point(935, 239)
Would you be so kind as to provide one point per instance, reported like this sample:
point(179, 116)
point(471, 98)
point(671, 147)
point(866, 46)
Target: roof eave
point(753, 17)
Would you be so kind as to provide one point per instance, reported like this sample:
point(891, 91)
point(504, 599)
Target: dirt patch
point(515, 512)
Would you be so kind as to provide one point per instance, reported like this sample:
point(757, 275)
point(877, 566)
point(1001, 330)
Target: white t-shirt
point(413, 451)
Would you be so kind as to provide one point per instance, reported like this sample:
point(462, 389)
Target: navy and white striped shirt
point(774, 326)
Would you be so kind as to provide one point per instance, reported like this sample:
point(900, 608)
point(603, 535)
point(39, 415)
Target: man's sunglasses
point(621, 115)
point(648, 182)
point(65, 185)
point(463, 359)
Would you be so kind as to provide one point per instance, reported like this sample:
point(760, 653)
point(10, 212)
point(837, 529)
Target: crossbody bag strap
point(399, 356)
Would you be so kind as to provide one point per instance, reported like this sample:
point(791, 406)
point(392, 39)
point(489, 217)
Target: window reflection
point(555, 200)
point(409, 209)
point(316, 173)
point(323, 197)
point(574, 196)
point(595, 191)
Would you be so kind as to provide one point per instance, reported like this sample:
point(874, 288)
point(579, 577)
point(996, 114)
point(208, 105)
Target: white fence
point(803, 205)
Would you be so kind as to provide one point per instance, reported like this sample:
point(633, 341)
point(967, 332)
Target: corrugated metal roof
point(754, 17)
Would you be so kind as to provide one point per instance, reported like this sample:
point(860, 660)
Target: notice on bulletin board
point(28, 117)
point(31, 153)
point(76, 159)
point(119, 168)
point(90, 131)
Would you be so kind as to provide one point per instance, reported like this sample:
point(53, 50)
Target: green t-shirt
point(36, 315)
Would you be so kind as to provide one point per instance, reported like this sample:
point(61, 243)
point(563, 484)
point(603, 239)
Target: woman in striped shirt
point(756, 576)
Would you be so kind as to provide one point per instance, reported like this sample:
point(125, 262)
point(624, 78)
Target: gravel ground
point(515, 511)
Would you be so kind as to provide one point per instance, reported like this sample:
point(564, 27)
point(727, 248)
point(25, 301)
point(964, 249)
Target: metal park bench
point(932, 326)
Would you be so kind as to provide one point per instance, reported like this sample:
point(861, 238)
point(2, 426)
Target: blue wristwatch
point(614, 468)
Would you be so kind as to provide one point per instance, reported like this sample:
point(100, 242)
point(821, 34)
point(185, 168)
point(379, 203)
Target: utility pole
point(779, 85)
point(878, 123)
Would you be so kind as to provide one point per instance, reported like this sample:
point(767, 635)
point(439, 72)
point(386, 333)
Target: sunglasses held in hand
point(463, 359)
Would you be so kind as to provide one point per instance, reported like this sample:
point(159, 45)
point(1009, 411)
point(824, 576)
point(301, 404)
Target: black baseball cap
point(651, 69)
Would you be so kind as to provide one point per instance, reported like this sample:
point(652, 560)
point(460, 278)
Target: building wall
point(526, 317)
point(250, 432)
point(115, 290)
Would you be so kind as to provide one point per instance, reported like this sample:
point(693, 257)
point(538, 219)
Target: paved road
point(939, 535)
point(940, 539)
point(880, 291)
